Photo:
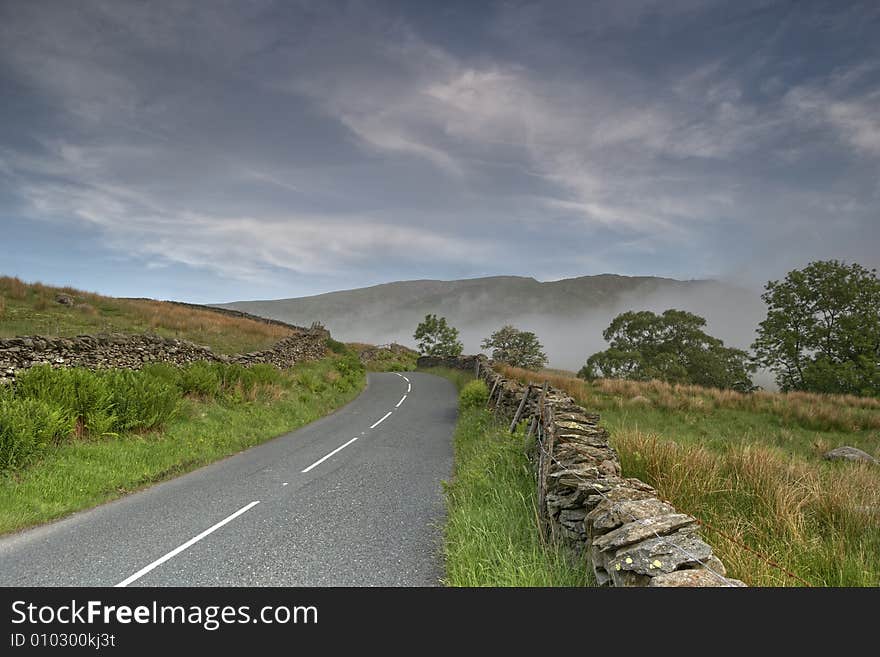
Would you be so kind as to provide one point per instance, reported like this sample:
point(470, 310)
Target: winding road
point(353, 499)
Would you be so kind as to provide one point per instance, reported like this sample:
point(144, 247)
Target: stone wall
point(134, 351)
point(631, 537)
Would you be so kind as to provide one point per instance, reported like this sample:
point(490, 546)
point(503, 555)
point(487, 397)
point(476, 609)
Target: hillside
point(568, 315)
point(37, 309)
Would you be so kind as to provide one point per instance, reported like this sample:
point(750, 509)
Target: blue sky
point(212, 151)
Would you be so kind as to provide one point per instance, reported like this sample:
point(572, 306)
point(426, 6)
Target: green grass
point(491, 533)
point(723, 429)
point(384, 359)
point(86, 472)
point(31, 309)
point(459, 377)
point(750, 468)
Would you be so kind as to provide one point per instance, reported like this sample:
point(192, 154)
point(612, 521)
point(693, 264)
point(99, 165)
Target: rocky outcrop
point(134, 351)
point(631, 537)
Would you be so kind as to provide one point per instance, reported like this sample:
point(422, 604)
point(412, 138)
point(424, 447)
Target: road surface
point(353, 499)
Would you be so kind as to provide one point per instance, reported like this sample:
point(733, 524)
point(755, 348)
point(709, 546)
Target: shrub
point(335, 346)
point(29, 426)
point(311, 382)
point(475, 394)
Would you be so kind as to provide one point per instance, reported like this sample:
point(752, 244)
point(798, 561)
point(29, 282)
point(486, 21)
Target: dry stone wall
point(631, 536)
point(134, 351)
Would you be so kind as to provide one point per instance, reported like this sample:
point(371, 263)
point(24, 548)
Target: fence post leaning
point(522, 405)
point(492, 391)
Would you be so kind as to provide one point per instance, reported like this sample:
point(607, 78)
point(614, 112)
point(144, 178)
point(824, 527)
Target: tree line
point(821, 334)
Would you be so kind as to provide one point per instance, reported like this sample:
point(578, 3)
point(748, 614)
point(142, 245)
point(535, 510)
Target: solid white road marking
point(384, 417)
point(409, 387)
point(284, 484)
point(338, 449)
point(158, 562)
point(402, 399)
point(404, 378)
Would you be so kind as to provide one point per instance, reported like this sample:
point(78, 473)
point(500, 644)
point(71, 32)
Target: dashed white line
point(158, 562)
point(338, 449)
point(404, 378)
point(402, 399)
point(381, 420)
point(409, 387)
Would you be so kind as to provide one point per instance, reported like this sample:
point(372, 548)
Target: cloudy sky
point(211, 151)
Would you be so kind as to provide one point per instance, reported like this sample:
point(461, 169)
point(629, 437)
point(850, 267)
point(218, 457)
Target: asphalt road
point(280, 514)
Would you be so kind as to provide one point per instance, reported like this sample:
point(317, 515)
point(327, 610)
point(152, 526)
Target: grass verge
point(83, 473)
point(491, 534)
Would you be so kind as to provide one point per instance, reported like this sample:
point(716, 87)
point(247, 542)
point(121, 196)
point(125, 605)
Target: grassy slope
point(491, 535)
point(31, 309)
point(85, 473)
point(750, 467)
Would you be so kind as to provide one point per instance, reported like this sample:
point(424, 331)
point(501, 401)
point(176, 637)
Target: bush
point(474, 395)
point(29, 426)
point(336, 346)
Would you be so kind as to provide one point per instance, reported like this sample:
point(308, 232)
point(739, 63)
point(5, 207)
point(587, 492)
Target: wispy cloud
point(294, 139)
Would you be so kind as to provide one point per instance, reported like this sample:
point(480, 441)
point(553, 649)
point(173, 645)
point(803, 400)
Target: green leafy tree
point(436, 338)
point(822, 331)
point(518, 348)
point(670, 347)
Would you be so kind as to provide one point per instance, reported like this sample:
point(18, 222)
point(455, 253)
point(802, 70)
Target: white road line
point(384, 417)
point(409, 387)
point(284, 484)
point(338, 449)
point(404, 378)
point(158, 562)
point(402, 399)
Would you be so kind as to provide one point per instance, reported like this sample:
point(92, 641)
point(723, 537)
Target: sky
point(215, 151)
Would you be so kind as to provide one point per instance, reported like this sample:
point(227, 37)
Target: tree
point(437, 338)
point(517, 348)
point(822, 331)
point(671, 347)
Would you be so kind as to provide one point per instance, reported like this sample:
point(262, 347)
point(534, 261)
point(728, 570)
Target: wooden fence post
point(519, 410)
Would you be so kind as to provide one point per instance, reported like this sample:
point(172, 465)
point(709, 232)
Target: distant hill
point(568, 315)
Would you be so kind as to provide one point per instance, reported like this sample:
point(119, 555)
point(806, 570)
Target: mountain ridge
point(568, 314)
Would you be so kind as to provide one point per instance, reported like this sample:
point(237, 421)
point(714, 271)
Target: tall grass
point(809, 410)
point(50, 406)
point(73, 474)
point(31, 310)
point(491, 537)
point(818, 521)
point(749, 466)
